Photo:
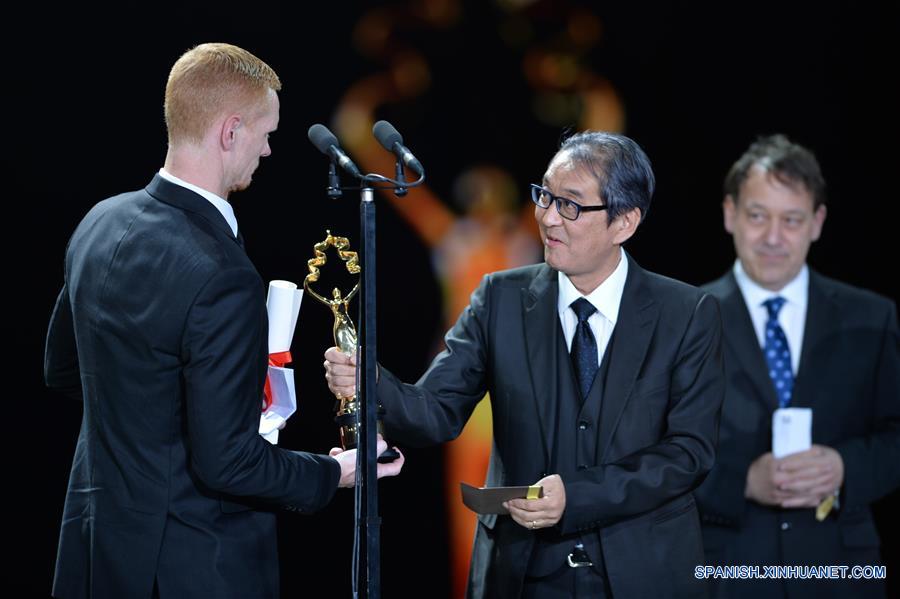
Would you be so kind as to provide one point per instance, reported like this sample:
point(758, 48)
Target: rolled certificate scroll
point(280, 399)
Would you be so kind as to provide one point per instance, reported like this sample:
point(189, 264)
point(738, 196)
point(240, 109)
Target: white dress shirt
point(606, 298)
point(221, 204)
point(792, 316)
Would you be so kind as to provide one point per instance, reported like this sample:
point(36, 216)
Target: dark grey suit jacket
point(656, 435)
point(849, 374)
point(161, 328)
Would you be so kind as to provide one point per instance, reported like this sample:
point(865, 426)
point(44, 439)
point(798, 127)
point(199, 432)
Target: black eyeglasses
point(567, 208)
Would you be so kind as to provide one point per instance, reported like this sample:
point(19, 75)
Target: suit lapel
point(637, 318)
point(823, 316)
point(185, 199)
point(740, 335)
point(539, 302)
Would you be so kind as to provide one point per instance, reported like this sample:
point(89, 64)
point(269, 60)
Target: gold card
point(824, 508)
point(489, 500)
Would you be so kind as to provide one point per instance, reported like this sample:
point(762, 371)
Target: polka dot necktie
point(584, 347)
point(778, 354)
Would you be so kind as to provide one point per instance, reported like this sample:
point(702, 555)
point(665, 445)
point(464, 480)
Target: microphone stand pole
point(369, 571)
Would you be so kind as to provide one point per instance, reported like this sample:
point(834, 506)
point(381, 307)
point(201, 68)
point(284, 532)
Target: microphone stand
point(369, 572)
point(367, 556)
point(334, 181)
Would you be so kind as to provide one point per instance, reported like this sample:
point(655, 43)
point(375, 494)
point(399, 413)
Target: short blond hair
point(209, 80)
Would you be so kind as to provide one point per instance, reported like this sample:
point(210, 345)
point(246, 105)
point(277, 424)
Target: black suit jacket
point(161, 328)
point(849, 375)
point(656, 434)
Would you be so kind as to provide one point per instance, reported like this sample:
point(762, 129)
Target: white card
point(791, 431)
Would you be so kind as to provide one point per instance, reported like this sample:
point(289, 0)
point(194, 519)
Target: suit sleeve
point(721, 496)
point(677, 464)
point(223, 390)
point(870, 461)
point(437, 407)
point(61, 369)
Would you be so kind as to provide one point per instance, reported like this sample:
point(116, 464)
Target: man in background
point(796, 339)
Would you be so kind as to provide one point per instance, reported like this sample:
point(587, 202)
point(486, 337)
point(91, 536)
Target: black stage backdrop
point(83, 94)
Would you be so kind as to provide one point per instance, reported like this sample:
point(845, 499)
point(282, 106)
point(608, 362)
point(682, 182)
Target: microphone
point(392, 141)
point(327, 143)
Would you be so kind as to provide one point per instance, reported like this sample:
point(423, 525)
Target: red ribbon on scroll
point(278, 359)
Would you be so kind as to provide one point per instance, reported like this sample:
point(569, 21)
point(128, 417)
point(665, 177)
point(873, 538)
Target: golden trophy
point(344, 332)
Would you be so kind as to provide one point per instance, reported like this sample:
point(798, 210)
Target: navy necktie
point(584, 347)
point(778, 354)
point(240, 239)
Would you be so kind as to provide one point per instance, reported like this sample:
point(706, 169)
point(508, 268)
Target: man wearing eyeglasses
point(605, 383)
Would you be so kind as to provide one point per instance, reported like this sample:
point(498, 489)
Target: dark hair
point(622, 169)
point(790, 163)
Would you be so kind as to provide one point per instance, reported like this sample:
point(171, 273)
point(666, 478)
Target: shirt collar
point(220, 203)
point(795, 292)
point(607, 297)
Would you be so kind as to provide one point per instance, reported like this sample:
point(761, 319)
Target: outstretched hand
point(347, 461)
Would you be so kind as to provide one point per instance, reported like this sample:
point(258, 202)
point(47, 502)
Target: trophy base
point(390, 454)
point(350, 437)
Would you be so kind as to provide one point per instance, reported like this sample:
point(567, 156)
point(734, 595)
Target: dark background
point(84, 88)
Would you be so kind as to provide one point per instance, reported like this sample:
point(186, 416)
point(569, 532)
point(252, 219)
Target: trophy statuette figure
point(344, 332)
